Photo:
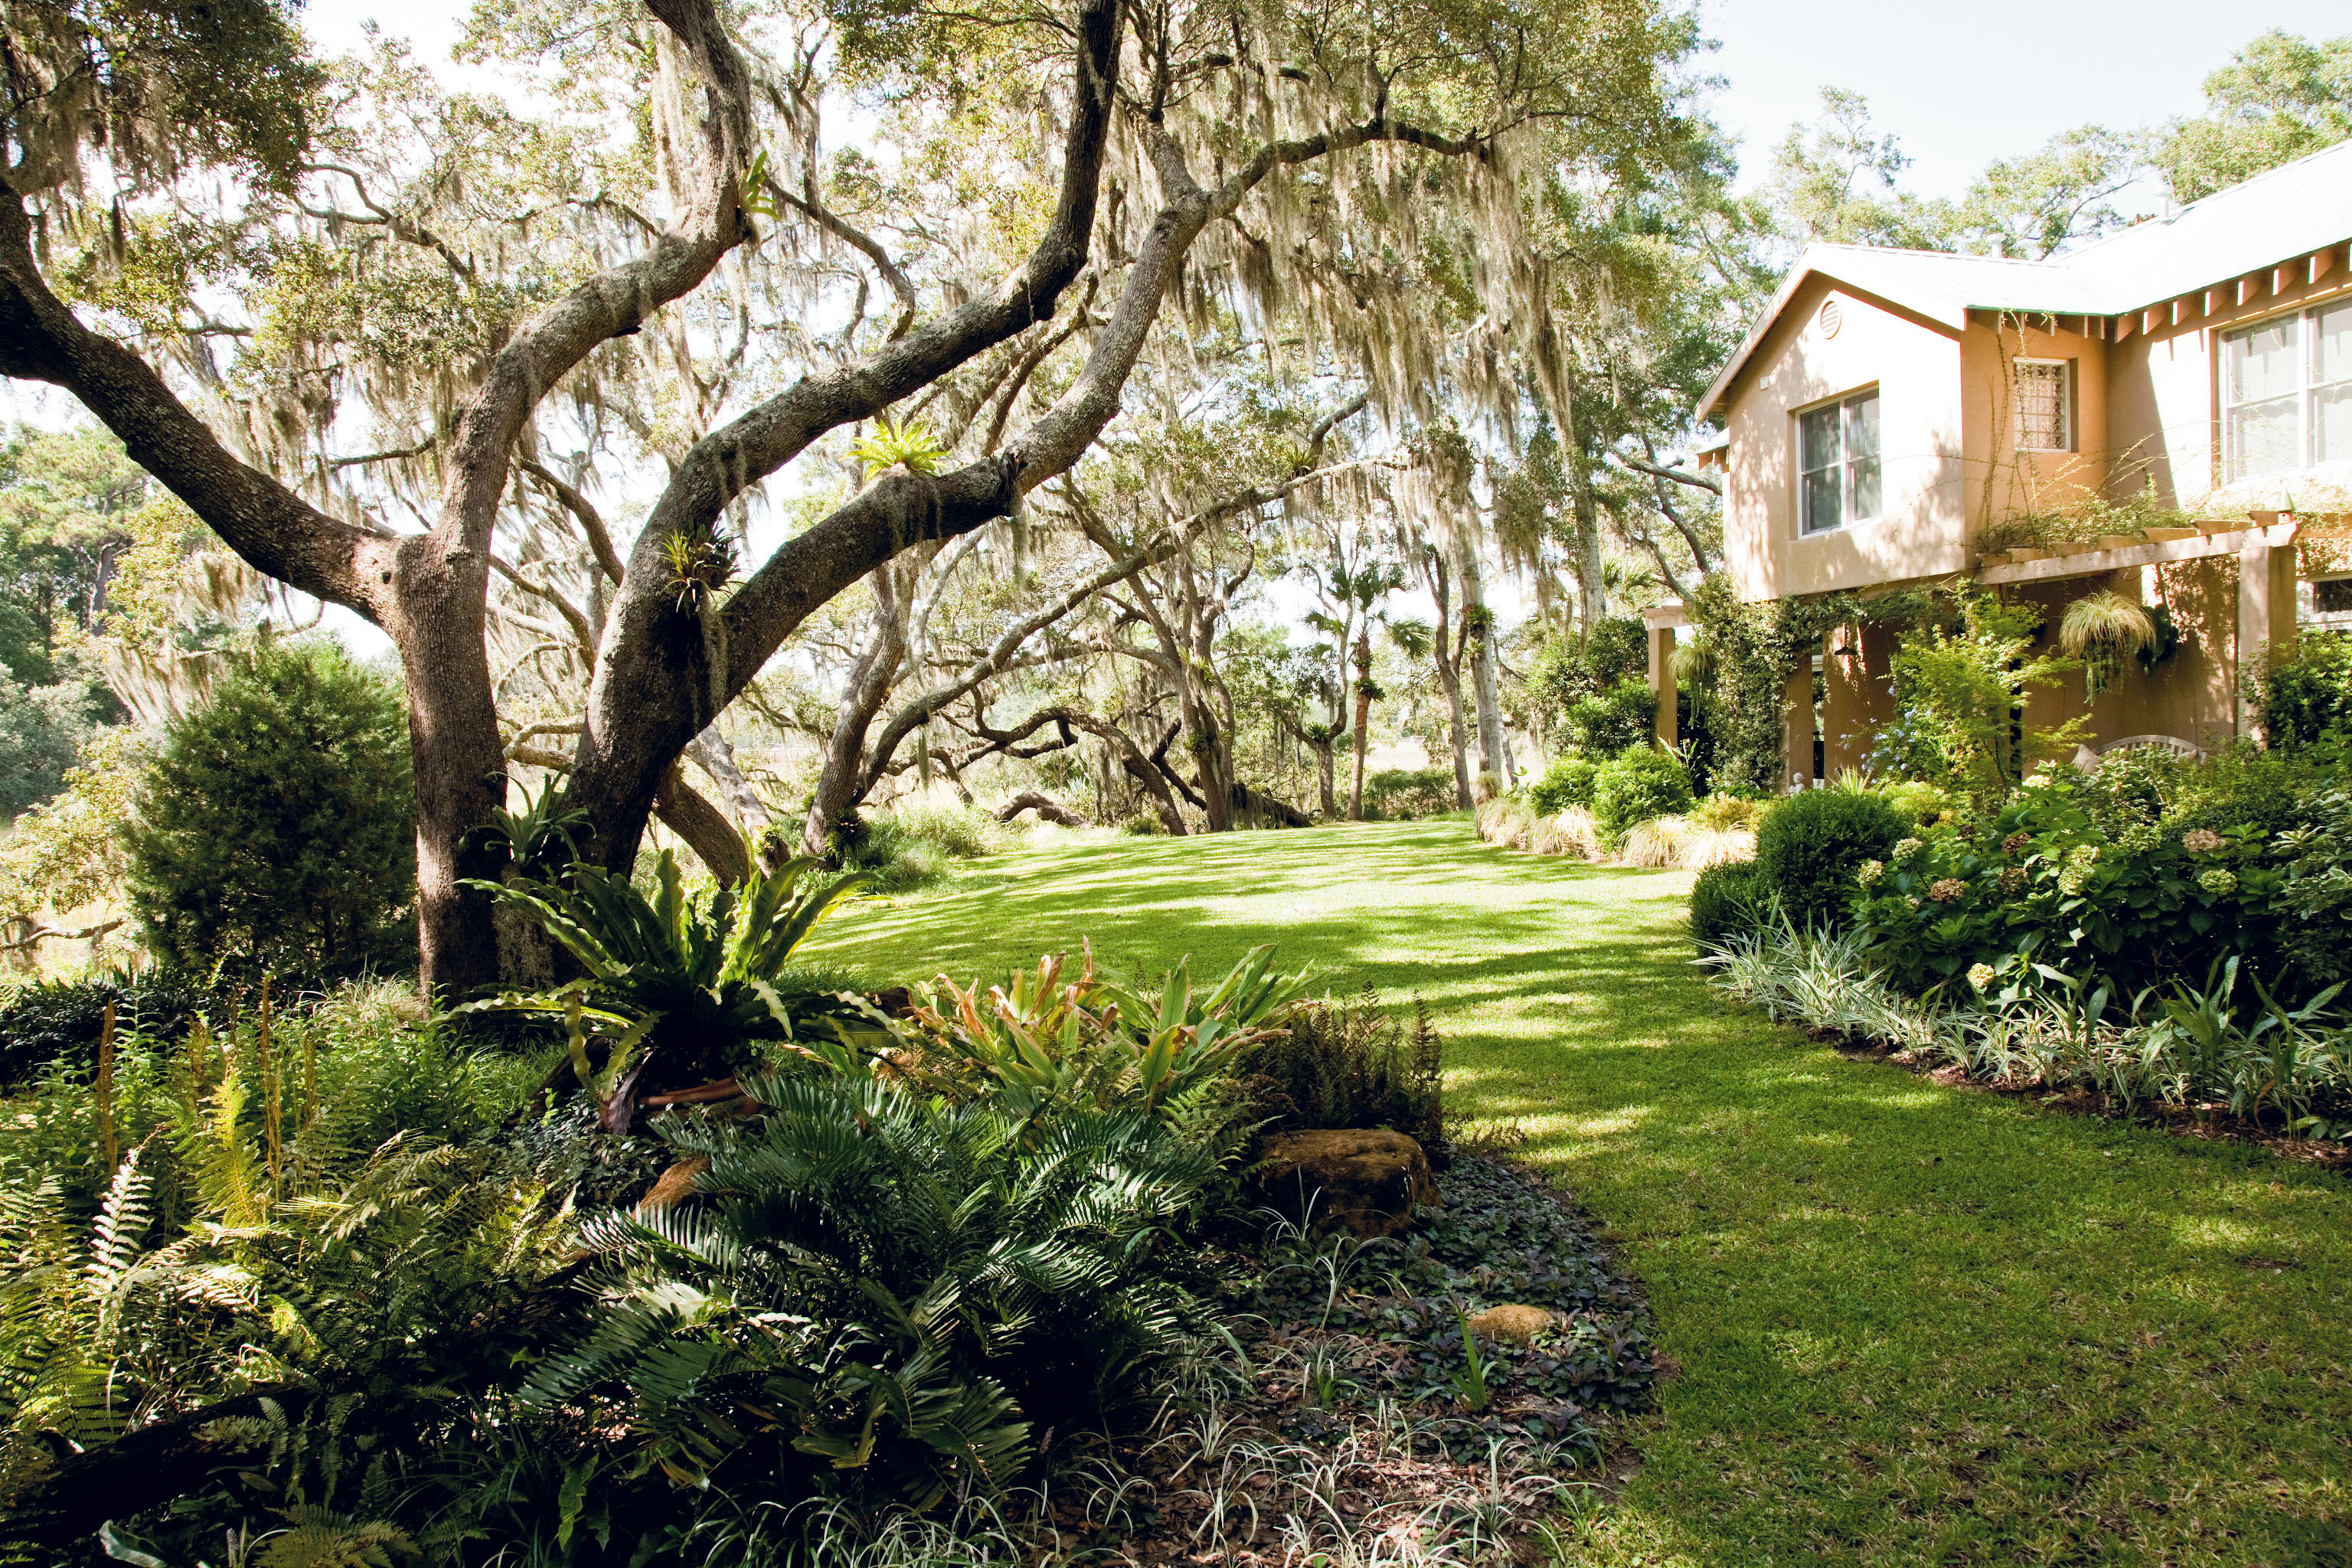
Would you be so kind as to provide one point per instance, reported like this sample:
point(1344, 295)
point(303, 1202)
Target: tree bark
point(1494, 744)
point(1046, 808)
point(1445, 650)
point(869, 688)
point(1363, 718)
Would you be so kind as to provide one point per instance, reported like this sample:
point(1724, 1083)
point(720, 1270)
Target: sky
point(1962, 84)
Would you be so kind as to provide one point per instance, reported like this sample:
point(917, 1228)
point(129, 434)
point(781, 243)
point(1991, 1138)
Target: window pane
point(1820, 438)
point(2263, 438)
point(2331, 424)
point(2264, 363)
point(2332, 595)
point(1862, 427)
point(2041, 408)
point(2335, 345)
point(1862, 500)
point(1821, 500)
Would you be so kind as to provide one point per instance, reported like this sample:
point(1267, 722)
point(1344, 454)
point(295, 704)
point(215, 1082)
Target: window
point(1838, 447)
point(2044, 405)
point(2287, 394)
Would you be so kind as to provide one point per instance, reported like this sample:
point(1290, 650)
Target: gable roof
point(2284, 212)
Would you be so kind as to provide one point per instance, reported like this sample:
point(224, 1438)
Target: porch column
point(2266, 606)
point(1661, 622)
point(1797, 728)
point(1845, 719)
point(1662, 683)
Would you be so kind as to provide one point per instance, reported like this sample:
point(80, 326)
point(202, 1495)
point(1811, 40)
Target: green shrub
point(1566, 670)
point(1338, 1066)
point(1568, 782)
point(2149, 874)
point(1811, 847)
point(1637, 785)
point(1394, 795)
point(275, 826)
point(61, 1019)
point(1606, 722)
point(914, 846)
point(2307, 698)
point(1729, 901)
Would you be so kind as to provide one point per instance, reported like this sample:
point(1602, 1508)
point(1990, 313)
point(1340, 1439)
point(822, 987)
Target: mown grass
point(1907, 1325)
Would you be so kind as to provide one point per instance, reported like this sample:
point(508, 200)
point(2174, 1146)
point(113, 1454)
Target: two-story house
point(1892, 408)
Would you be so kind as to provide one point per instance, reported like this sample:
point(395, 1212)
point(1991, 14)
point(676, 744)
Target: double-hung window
point(1838, 448)
point(2287, 394)
point(2044, 406)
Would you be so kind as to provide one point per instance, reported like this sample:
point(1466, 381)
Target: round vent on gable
point(1832, 318)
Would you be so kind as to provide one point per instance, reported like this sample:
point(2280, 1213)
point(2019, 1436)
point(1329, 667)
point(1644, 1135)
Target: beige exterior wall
point(1998, 481)
point(1916, 365)
point(2165, 392)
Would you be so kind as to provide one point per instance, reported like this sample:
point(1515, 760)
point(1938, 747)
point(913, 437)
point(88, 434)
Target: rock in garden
point(1511, 1322)
point(1364, 1180)
point(676, 1183)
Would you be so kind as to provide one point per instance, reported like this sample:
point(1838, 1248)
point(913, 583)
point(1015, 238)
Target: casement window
point(2287, 394)
point(2045, 402)
point(1838, 448)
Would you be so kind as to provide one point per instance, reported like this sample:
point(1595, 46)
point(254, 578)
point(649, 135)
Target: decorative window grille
point(2287, 394)
point(1838, 455)
point(2044, 405)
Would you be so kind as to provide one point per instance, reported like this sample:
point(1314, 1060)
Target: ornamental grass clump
point(1569, 831)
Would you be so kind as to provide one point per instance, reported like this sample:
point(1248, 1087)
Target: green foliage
point(1732, 899)
point(1568, 782)
point(913, 846)
point(47, 1021)
point(2275, 1064)
point(882, 1293)
point(1637, 785)
point(274, 827)
point(1566, 670)
point(1811, 845)
point(889, 446)
point(1346, 1065)
point(163, 84)
point(1960, 694)
point(674, 983)
point(1394, 795)
point(1605, 722)
point(2146, 875)
point(2281, 97)
point(42, 729)
point(2306, 699)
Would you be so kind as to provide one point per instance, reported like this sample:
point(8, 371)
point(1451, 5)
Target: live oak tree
point(347, 318)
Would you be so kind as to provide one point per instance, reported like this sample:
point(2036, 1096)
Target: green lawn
point(1906, 1324)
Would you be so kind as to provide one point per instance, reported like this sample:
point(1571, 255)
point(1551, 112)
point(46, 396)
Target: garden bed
point(1343, 1416)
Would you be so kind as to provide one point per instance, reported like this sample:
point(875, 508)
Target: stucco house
point(1899, 418)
